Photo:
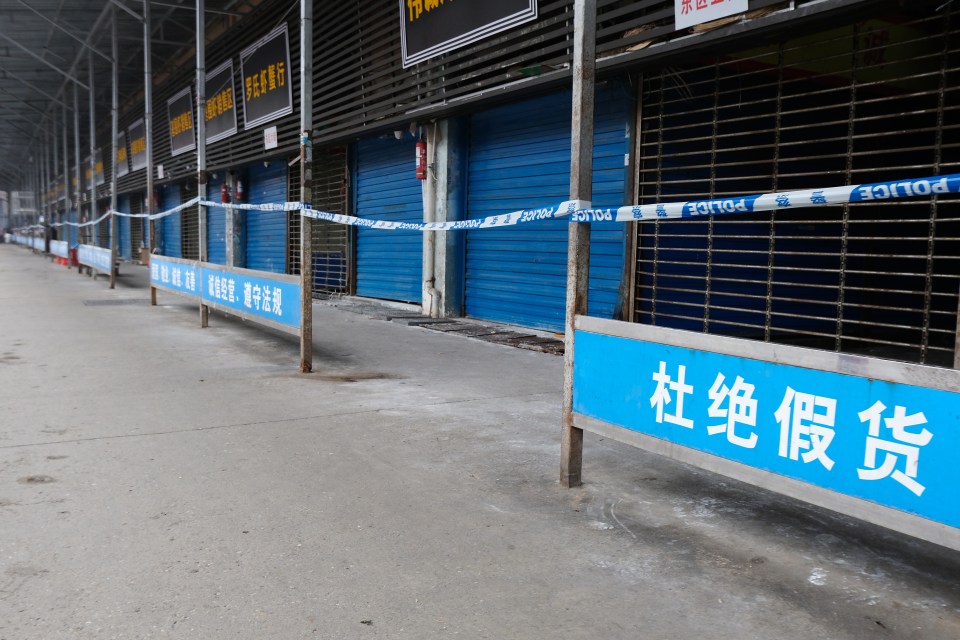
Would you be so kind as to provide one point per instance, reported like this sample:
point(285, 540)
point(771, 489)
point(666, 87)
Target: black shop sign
point(432, 27)
point(221, 111)
point(120, 162)
point(138, 145)
point(180, 116)
point(266, 88)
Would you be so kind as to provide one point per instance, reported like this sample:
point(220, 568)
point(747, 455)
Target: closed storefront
point(866, 101)
point(389, 263)
point(170, 225)
point(266, 231)
point(123, 225)
point(216, 220)
point(520, 159)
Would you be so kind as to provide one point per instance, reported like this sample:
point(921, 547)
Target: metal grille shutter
point(389, 263)
point(123, 227)
point(862, 102)
point(170, 225)
point(190, 223)
point(216, 221)
point(266, 231)
point(519, 159)
point(138, 238)
point(330, 240)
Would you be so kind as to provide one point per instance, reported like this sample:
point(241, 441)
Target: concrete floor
point(158, 480)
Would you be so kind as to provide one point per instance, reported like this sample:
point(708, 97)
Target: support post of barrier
point(148, 137)
point(578, 249)
point(202, 146)
point(306, 185)
point(114, 118)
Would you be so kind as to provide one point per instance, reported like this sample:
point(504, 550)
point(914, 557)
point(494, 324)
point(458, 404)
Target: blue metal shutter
point(216, 222)
point(389, 263)
point(123, 224)
point(170, 225)
point(266, 244)
point(520, 159)
point(72, 231)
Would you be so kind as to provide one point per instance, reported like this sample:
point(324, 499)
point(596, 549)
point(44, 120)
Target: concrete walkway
point(162, 481)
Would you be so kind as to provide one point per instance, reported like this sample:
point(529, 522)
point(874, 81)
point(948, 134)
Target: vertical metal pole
point(94, 230)
point(306, 162)
point(114, 118)
point(55, 169)
point(77, 153)
point(202, 145)
point(63, 233)
point(44, 183)
point(578, 249)
point(148, 134)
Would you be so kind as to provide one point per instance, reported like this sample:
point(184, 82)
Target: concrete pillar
point(450, 168)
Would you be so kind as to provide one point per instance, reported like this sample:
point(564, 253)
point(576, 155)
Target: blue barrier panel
point(268, 298)
point(175, 275)
point(59, 248)
point(865, 429)
point(95, 257)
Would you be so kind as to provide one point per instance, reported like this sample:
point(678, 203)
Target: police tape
point(153, 216)
point(566, 208)
point(580, 211)
point(869, 192)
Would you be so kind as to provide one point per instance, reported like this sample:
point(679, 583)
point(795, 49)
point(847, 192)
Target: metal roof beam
point(220, 12)
point(31, 85)
point(43, 60)
point(124, 7)
point(63, 29)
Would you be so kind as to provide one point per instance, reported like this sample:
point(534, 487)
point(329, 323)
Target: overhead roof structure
point(45, 50)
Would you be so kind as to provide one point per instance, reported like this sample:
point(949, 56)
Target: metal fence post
point(578, 249)
point(306, 161)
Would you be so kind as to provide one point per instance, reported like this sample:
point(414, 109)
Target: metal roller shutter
point(170, 225)
point(72, 231)
point(520, 159)
point(266, 231)
point(868, 101)
point(189, 223)
point(123, 226)
point(216, 221)
point(138, 238)
point(389, 263)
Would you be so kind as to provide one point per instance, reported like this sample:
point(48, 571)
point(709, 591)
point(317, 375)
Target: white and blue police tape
point(154, 216)
point(270, 206)
point(870, 192)
point(561, 210)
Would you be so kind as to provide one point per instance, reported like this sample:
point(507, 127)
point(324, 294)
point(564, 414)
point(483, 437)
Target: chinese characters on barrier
point(256, 297)
point(183, 278)
point(893, 436)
